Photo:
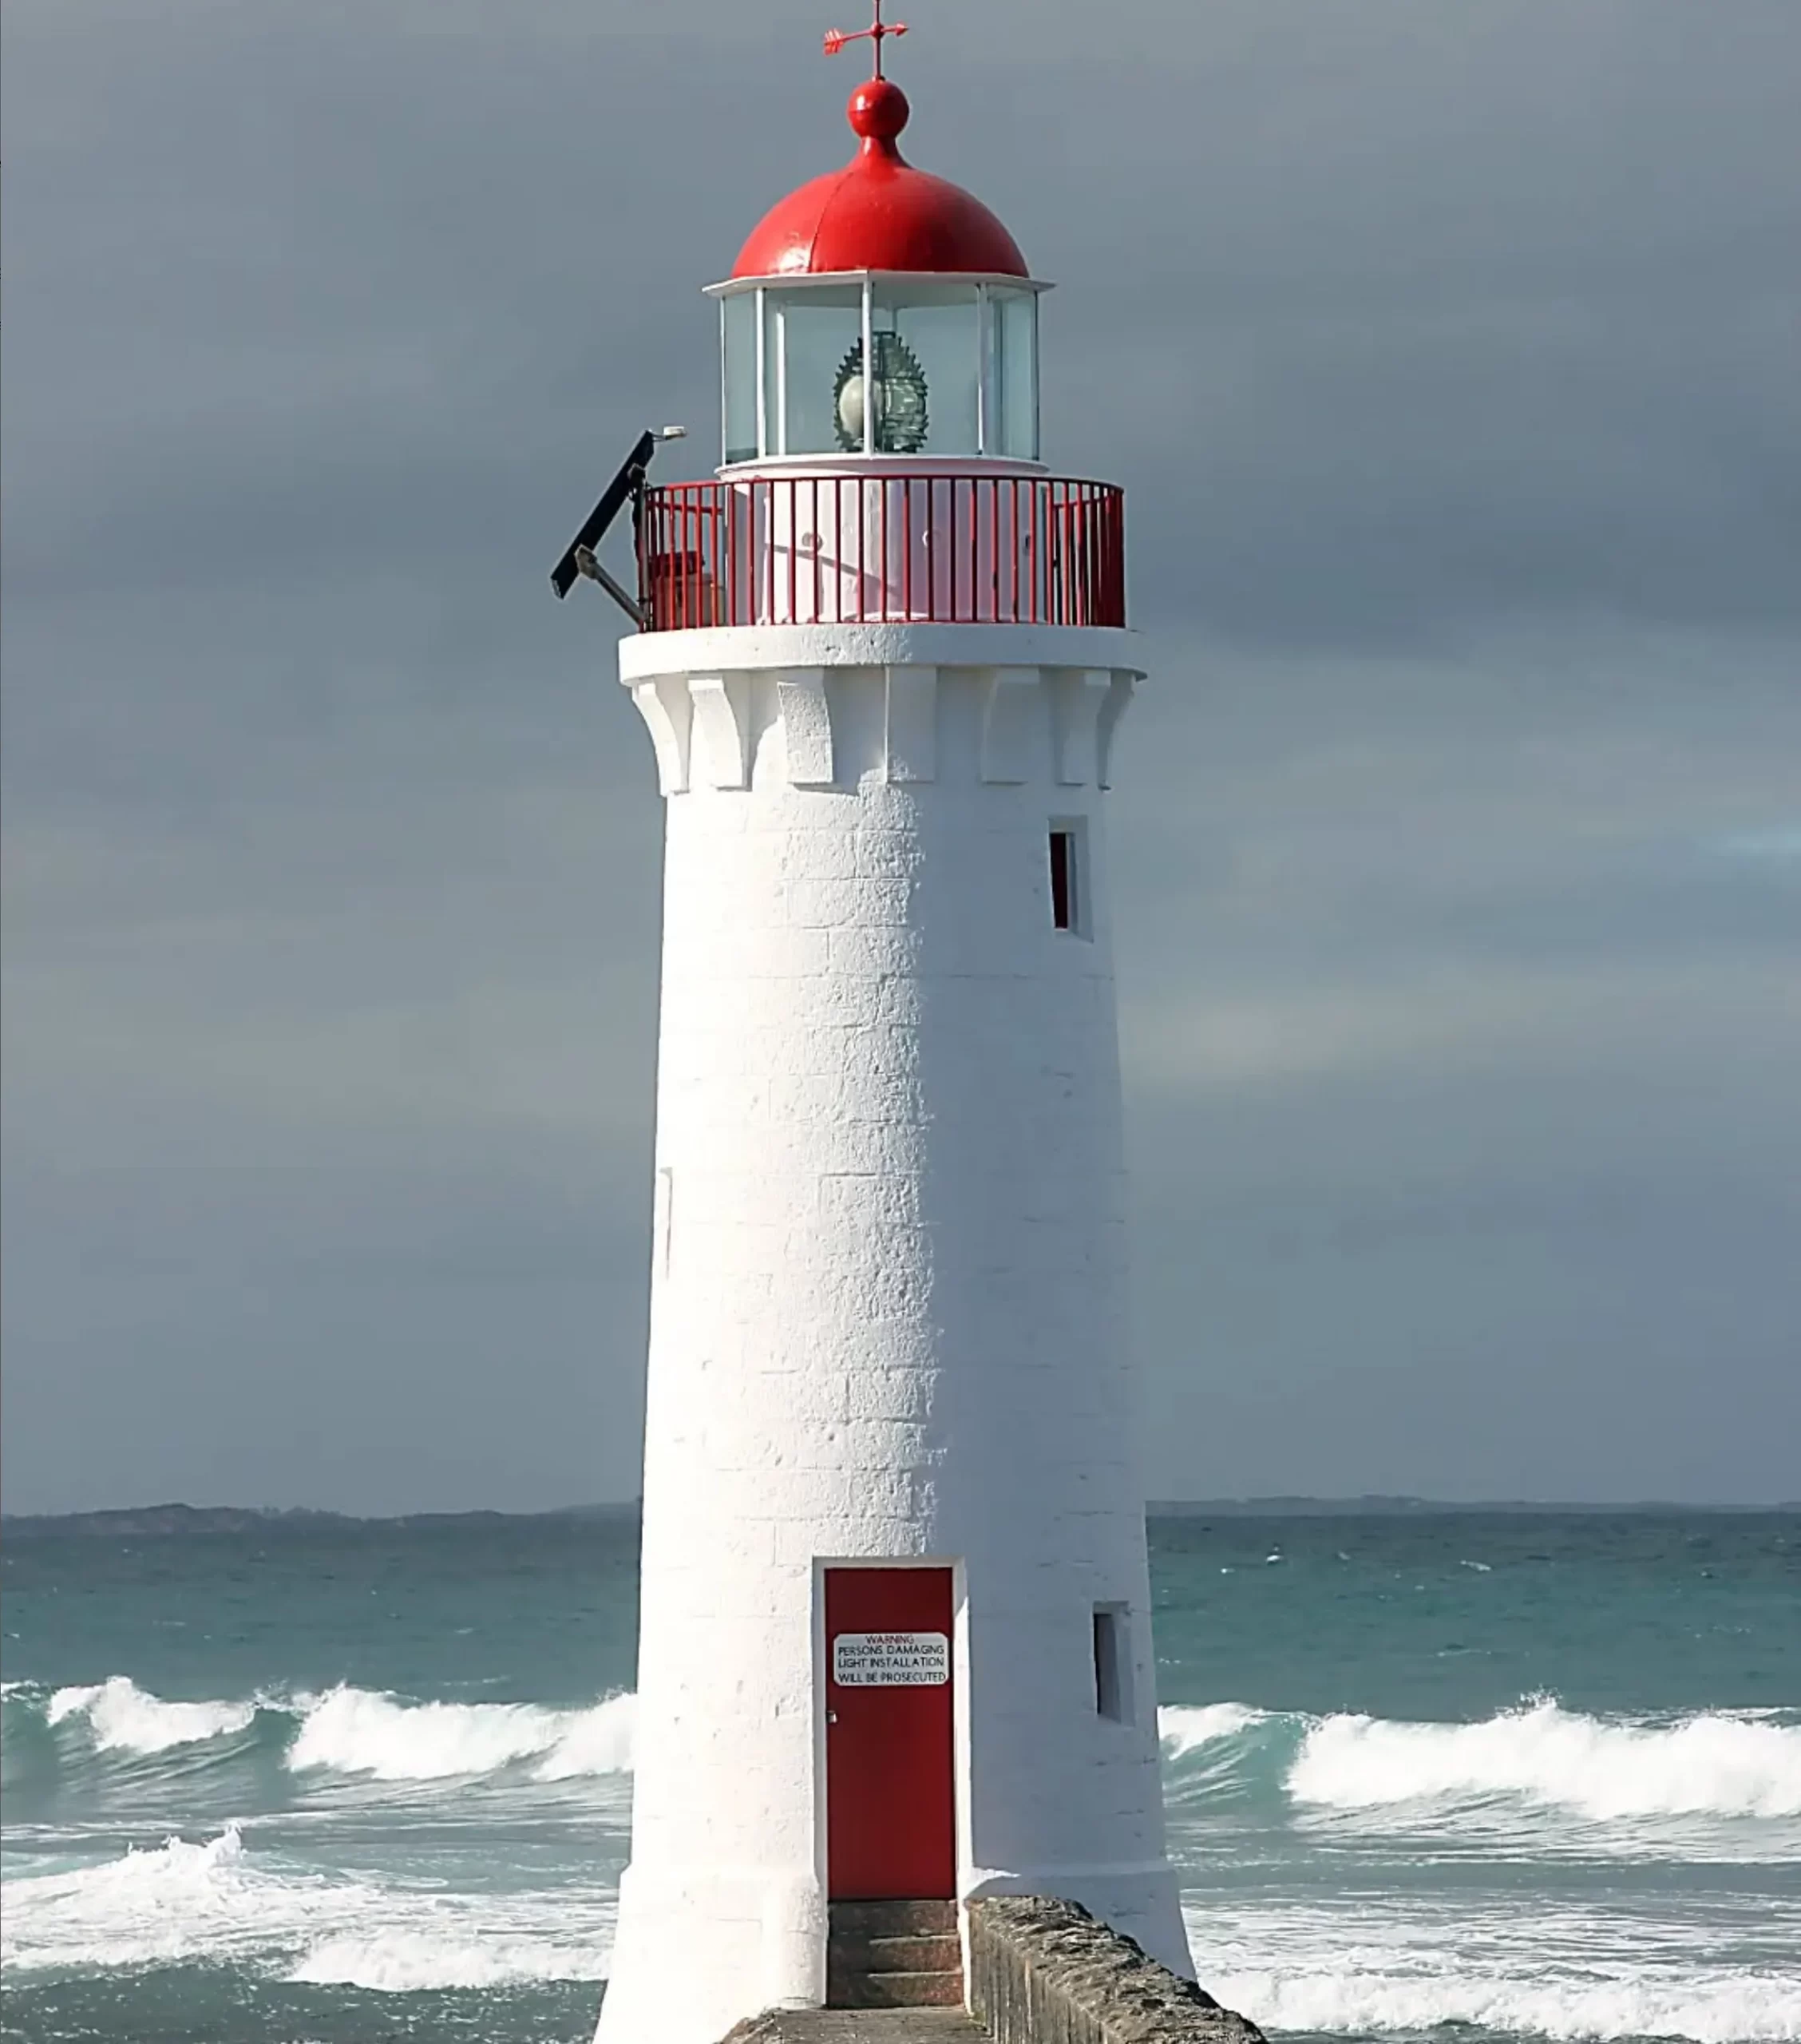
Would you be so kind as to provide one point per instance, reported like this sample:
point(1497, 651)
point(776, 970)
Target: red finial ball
point(878, 110)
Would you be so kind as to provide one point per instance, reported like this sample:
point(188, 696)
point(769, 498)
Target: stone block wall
point(1045, 1972)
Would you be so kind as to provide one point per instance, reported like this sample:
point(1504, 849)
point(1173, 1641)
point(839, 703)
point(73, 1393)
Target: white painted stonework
point(886, 1308)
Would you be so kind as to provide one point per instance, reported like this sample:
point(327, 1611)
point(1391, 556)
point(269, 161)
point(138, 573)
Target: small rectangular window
point(1069, 876)
point(1062, 879)
point(1113, 1666)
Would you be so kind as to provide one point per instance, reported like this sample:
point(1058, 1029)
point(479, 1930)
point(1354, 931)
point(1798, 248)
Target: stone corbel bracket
point(839, 708)
point(819, 728)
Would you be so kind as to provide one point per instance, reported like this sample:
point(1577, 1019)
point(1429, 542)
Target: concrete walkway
point(861, 2026)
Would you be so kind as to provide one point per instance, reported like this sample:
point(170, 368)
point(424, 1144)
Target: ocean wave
point(354, 1731)
point(1186, 1728)
point(1536, 1758)
point(122, 1717)
point(369, 1734)
point(1710, 1765)
point(1734, 2007)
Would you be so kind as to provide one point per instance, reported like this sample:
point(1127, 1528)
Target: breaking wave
point(122, 1717)
point(1740, 1766)
point(352, 1731)
point(1537, 1756)
point(1713, 1764)
point(1186, 1728)
point(346, 1731)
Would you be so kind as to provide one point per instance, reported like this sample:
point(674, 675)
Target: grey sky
point(1448, 356)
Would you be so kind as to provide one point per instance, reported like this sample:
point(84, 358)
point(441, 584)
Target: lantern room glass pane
point(808, 338)
point(927, 368)
point(738, 338)
point(1013, 373)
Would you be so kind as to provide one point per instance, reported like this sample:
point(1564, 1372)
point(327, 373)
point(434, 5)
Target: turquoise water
point(1427, 1776)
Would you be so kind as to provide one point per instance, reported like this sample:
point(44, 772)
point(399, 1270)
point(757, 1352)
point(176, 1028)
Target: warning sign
point(891, 1660)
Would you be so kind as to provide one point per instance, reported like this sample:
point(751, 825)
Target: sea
point(1454, 1775)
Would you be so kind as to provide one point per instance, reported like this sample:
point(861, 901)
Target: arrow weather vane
point(835, 38)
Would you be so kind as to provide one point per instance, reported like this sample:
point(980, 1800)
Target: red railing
point(874, 549)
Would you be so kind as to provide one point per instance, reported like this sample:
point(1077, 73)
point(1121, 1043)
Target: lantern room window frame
point(997, 415)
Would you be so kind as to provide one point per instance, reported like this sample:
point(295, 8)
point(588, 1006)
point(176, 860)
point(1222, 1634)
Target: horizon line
point(1370, 1504)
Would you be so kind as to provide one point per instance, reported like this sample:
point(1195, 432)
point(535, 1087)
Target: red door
point(890, 1810)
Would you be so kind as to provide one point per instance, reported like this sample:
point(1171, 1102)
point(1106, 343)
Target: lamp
point(899, 398)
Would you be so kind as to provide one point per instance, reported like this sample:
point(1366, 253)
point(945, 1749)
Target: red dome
point(878, 212)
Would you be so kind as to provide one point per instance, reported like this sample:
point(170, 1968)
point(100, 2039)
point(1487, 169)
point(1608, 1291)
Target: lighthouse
point(895, 1650)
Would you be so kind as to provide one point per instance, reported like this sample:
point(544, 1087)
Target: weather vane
point(835, 38)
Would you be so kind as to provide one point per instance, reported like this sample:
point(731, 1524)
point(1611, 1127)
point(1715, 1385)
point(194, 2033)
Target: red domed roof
point(878, 212)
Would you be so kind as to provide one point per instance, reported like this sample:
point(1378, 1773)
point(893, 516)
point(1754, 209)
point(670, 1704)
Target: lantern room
point(954, 370)
point(876, 311)
point(880, 451)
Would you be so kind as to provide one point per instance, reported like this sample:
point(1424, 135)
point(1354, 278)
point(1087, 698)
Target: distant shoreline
point(173, 1521)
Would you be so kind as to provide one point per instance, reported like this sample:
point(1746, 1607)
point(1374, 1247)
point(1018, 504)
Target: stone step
point(909, 1952)
point(894, 1955)
point(892, 1918)
point(942, 1990)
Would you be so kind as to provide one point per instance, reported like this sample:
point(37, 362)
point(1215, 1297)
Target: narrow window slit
point(1062, 879)
point(1112, 1680)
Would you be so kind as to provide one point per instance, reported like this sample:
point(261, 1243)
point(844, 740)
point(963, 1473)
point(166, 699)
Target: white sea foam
point(355, 1731)
point(404, 1962)
point(183, 1900)
point(1712, 1764)
point(1590, 1970)
point(1733, 2007)
point(221, 1902)
point(121, 1718)
point(596, 1741)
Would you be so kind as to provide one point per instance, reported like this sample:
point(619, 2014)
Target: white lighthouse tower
point(896, 1643)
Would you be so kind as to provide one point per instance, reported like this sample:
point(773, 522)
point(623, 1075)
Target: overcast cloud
point(1448, 355)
